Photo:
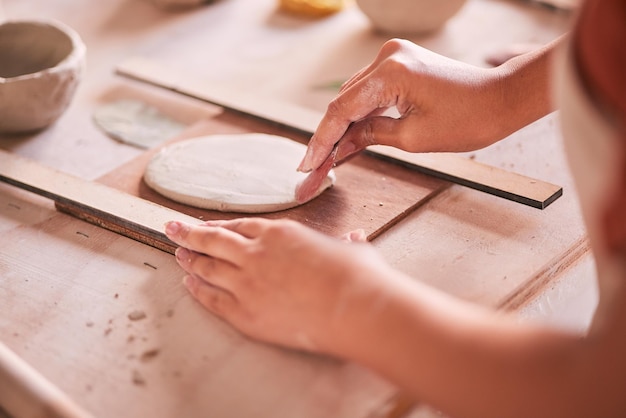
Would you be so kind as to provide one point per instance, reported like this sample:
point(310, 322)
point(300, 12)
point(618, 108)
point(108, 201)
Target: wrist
point(523, 89)
point(365, 314)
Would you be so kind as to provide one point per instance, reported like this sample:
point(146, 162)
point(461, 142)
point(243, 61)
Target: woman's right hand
point(443, 105)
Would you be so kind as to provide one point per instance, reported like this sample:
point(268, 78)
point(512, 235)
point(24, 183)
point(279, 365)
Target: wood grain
point(370, 194)
point(125, 204)
point(450, 167)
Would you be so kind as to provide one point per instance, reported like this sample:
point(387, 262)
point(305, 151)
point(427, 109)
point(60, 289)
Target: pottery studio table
point(69, 289)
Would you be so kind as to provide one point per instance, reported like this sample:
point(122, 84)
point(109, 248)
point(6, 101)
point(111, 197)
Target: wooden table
point(67, 287)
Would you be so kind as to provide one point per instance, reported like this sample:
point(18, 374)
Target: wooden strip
point(24, 392)
point(284, 114)
point(451, 167)
point(478, 176)
point(132, 216)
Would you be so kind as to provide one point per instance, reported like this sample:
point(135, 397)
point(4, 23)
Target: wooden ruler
point(447, 166)
point(112, 209)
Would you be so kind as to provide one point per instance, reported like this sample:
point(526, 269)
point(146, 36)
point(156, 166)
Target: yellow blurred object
point(313, 8)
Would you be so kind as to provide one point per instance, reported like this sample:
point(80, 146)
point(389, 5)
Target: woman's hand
point(443, 104)
point(279, 281)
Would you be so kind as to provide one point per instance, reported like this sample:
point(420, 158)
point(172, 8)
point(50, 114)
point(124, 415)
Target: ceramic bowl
point(178, 4)
point(409, 16)
point(41, 64)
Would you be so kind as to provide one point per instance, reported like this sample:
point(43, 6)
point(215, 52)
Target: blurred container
point(409, 16)
point(312, 8)
point(179, 4)
point(41, 63)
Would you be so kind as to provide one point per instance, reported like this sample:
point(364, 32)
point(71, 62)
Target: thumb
point(382, 130)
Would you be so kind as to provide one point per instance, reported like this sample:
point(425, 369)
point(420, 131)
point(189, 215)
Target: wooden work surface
point(345, 207)
point(67, 287)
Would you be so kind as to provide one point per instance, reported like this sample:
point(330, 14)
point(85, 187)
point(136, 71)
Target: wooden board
point(105, 206)
point(350, 204)
point(483, 177)
point(123, 203)
point(450, 167)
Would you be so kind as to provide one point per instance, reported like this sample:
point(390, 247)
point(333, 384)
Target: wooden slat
point(122, 203)
point(96, 203)
point(478, 176)
point(450, 167)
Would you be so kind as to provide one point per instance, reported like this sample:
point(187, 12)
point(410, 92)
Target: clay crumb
point(138, 378)
point(137, 315)
point(149, 354)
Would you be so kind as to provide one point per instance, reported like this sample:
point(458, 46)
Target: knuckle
point(391, 46)
point(204, 266)
point(336, 108)
point(217, 301)
point(239, 224)
point(394, 65)
point(204, 237)
point(276, 231)
point(368, 135)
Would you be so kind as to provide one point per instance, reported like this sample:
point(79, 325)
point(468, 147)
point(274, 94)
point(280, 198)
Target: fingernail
point(305, 165)
point(358, 235)
point(183, 254)
point(172, 228)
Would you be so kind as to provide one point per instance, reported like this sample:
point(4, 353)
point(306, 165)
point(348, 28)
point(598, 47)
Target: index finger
point(248, 227)
point(213, 241)
point(354, 104)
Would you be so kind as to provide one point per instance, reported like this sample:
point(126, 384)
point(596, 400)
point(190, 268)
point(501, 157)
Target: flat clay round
point(251, 173)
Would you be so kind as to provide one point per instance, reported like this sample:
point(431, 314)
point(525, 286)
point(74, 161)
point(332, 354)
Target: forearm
point(524, 88)
point(468, 361)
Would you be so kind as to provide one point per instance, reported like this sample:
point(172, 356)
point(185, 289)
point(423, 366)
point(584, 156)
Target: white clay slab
point(250, 173)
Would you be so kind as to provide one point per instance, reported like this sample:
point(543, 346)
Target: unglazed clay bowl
point(409, 16)
point(41, 64)
point(178, 4)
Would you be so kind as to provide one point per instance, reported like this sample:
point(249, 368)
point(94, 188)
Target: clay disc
point(136, 123)
point(251, 173)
